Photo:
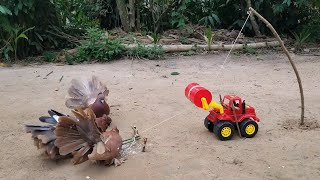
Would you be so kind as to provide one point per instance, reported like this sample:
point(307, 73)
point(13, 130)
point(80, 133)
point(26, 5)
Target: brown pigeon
point(82, 138)
point(83, 94)
point(91, 93)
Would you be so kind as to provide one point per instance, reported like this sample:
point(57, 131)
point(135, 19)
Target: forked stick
point(274, 32)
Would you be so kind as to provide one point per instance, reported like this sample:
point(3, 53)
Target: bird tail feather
point(43, 135)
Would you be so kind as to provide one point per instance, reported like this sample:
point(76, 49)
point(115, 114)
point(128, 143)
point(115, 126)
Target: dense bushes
point(31, 27)
point(98, 47)
point(42, 21)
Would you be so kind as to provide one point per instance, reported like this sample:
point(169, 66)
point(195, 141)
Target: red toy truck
point(230, 114)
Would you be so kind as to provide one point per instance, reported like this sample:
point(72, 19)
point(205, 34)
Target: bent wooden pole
point(289, 57)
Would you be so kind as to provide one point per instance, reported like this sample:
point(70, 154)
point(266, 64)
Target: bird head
point(100, 105)
point(101, 98)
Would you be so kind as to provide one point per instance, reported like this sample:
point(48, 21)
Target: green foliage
point(197, 12)
point(79, 13)
point(211, 20)
point(184, 40)
point(209, 16)
point(48, 32)
point(188, 53)
point(50, 56)
point(60, 24)
point(179, 17)
point(208, 37)
point(249, 50)
point(13, 36)
point(4, 10)
point(313, 27)
point(98, 47)
point(149, 52)
point(69, 59)
point(155, 38)
point(301, 37)
point(285, 15)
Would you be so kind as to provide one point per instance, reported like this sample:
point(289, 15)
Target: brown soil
point(143, 93)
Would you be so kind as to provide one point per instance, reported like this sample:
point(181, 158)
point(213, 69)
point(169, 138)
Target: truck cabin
point(238, 104)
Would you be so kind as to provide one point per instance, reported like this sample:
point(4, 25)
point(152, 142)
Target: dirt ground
point(144, 93)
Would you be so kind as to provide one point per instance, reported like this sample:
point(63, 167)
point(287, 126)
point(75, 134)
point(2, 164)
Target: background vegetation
point(36, 27)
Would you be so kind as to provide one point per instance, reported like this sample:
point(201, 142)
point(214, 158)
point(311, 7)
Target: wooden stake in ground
point(144, 144)
point(289, 57)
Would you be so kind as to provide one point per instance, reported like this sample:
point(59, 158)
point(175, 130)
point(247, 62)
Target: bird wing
point(83, 93)
point(77, 135)
point(53, 119)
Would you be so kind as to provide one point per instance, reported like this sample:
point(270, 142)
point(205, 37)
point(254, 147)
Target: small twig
point(144, 144)
point(115, 105)
point(61, 79)
point(48, 75)
point(220, 99)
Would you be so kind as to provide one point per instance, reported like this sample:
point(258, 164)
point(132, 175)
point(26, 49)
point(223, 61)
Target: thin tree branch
point(289, 57)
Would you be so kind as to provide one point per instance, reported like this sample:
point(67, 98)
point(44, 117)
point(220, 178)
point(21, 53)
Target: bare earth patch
point(144, 93)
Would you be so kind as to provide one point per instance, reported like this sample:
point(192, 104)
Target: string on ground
point(164, 121)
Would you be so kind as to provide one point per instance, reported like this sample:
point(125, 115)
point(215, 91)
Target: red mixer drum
point(194, 92)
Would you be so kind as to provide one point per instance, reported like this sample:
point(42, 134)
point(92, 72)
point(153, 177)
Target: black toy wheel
point(248, 128)
point(208, 124)
point(224, 130)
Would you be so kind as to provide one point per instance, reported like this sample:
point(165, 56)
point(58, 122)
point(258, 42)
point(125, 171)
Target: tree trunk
point(253, 21)
point(132, 14)
point(138, 27)
point(151, 9)
point(122, 8)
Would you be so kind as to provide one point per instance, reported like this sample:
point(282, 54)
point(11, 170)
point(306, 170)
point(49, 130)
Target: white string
point(165, 120)
point(234, 42)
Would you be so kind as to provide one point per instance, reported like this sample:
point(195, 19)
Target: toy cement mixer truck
point(225, 117)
